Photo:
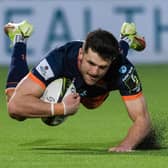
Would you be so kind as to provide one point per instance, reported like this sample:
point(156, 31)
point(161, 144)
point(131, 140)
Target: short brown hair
point(102, 42)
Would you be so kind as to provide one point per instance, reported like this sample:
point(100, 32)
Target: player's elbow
point(14, 112)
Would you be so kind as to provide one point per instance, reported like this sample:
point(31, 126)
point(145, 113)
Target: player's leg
point(18, 68)
point(17, 33)
point(129, 38)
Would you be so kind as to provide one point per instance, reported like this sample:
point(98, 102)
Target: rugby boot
point(18, 31)
point(129, 34)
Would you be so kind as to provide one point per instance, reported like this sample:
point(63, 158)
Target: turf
point(82, 141)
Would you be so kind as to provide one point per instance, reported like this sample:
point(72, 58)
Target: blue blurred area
point(59, 21)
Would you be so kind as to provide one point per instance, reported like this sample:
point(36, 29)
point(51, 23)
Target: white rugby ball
point(54, 93)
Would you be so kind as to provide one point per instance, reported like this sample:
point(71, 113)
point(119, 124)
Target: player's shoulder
point(68, 48)
point(73, 44)
point(119, 68)
point(71, 49)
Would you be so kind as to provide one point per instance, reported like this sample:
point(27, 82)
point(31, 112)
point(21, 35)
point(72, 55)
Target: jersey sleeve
point(60, 62)
point(49, 68)
point(129, 83)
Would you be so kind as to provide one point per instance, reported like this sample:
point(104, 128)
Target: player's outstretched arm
point(138, 113)
point(26, 102)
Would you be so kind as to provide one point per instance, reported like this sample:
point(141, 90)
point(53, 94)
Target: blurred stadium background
point(83, 140)
point(58, 21)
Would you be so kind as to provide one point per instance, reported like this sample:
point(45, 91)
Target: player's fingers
point(120, 149)
point(76, 95)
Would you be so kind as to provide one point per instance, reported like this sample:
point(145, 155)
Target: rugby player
point(97, 66)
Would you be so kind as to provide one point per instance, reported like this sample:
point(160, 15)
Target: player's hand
point(71, 103)
point(120, 149)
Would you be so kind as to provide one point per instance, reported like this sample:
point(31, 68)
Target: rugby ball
point(54, 93)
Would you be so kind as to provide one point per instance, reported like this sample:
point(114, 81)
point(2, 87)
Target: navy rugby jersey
point(62, 62)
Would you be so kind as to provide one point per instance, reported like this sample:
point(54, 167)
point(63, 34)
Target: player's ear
point(80, 54)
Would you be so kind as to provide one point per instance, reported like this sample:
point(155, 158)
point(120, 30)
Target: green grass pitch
point(82, 141)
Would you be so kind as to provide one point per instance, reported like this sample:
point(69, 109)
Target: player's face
point(92, 66)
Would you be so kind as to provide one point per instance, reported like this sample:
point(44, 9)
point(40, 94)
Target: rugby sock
point(124, 47)
point(18, 67)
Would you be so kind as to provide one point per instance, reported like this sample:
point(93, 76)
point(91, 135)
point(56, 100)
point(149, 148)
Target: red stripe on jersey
point(36, 80)
point(131, 97)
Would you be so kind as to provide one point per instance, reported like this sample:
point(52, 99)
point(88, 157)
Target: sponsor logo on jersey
point(45, 70)
point(123, 69)
point(132, 81)
point(83, 93)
